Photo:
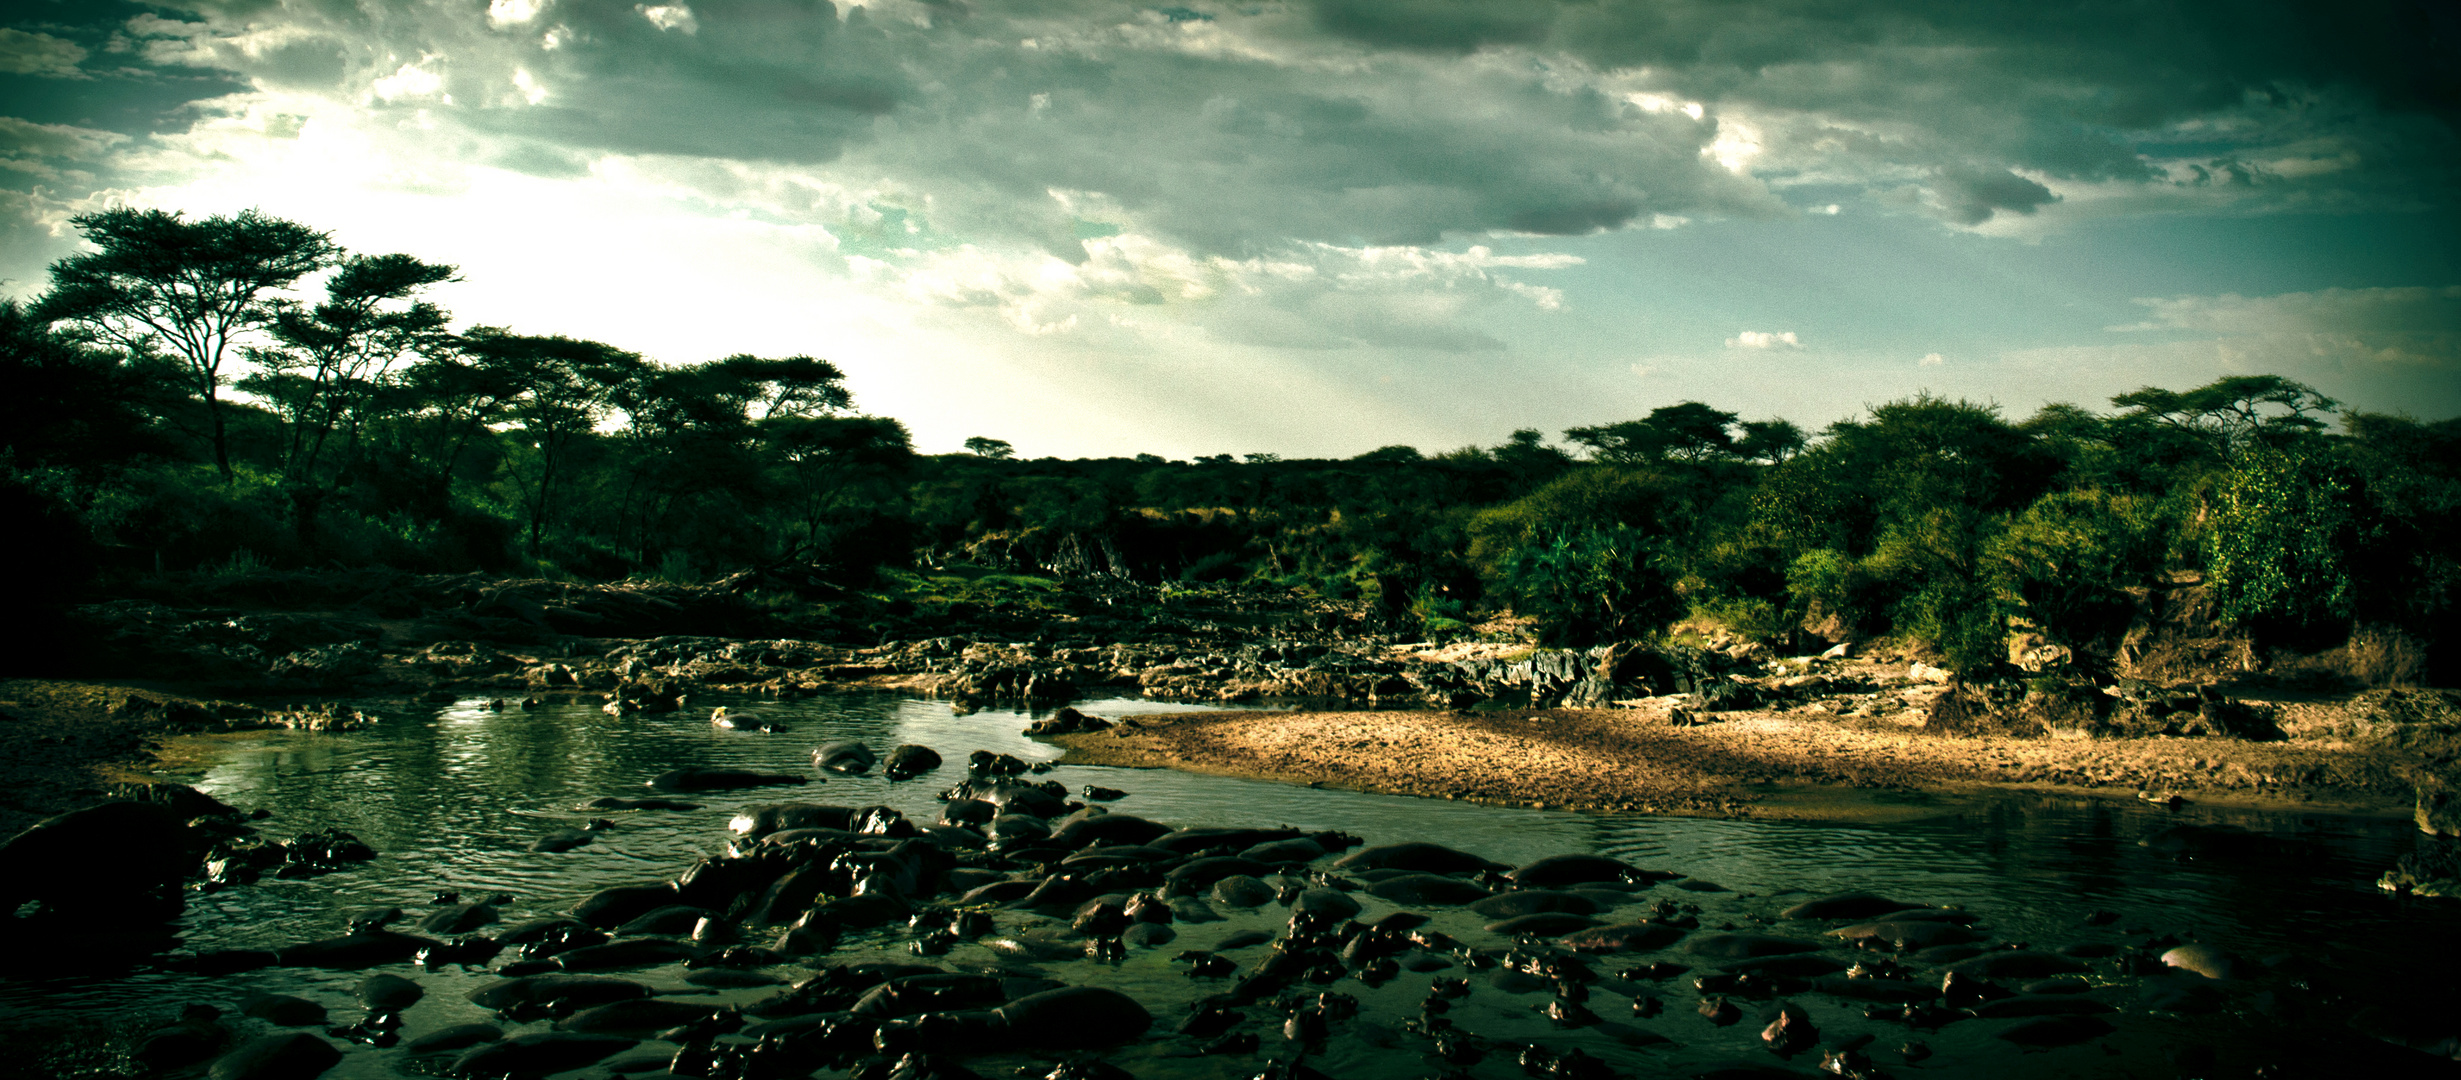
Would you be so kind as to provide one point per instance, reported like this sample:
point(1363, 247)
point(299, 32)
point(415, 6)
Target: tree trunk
point(222, 448)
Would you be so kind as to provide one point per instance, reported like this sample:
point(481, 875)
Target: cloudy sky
point(1316, 227)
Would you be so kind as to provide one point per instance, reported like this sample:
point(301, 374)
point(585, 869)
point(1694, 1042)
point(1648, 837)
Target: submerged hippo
point(699, 779)
point(850, 758)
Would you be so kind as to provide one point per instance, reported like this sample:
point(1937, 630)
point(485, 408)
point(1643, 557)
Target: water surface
point(453, 797)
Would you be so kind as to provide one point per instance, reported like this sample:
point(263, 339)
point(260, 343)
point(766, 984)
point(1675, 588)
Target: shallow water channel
point(452, 798)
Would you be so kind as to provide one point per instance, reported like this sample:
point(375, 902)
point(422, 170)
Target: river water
point(452, 797)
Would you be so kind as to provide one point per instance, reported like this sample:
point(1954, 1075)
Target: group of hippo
point(1029, 930)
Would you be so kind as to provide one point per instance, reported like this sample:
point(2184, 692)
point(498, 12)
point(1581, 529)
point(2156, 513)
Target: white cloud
point(503, 13)
point(670, 17)
point(1931, 360)
point(410, 81)
point(1761, 339)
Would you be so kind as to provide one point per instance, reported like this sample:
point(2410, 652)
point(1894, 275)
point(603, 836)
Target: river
point(451, 797)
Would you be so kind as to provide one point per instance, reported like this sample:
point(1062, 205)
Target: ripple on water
point(453, 799)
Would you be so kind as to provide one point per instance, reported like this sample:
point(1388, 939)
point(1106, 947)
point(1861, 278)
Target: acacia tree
point(2230, 411)
point(566, 386)
point(1685, 431)
point(333, 358)
point(194, 290)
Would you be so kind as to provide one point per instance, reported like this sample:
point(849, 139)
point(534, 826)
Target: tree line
point(368, 432)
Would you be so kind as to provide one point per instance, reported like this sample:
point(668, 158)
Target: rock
point(1067, 721)
point(2439, 804)
point(113, 860)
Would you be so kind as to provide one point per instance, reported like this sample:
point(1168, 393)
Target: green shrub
point(2066, 564)
point(1588, 585)
point(2282, 522)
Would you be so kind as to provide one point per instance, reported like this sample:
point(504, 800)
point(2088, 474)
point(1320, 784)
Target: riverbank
point(1803, 763)
point(1827, 757)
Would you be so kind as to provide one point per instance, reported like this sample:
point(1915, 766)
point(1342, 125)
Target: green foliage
point(373, 436)
point(2283, 527)
point(2066, 564)
point(191, 290)
point(1591, 585)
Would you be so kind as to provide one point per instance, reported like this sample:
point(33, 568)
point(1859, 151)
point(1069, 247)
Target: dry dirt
point(1807, 762)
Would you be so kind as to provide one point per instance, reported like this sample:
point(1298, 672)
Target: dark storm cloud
point(1972, 196)
point(2069, 90)
point(1235, 131)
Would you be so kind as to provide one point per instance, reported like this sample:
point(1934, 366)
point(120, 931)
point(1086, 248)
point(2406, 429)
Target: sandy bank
point(1803, 763)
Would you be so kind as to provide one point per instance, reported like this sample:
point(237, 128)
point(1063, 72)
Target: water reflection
point(453, 799)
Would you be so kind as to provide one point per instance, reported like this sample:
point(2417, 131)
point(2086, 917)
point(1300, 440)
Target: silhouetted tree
point(332, 359)
point(192, 290)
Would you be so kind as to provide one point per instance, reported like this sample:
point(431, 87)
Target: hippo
point(1855, 905)
point(540, 990)
point(637, 1017)
point(1435, 889)
point(725, 720)
point(909, 761)
point(389, 993)
point(1741, 946)
point(540, 1053)
point(1902, 936)
point(353, 951)
point(1531, 902)
point(457, 1037)
point(1416, 856)
point(1542, 924)
point(700, 779)
point(283, 1010)
point(1621, 937)
point(850, 758)
point(756, 821)
point(610, 802)
point(296, 1056)
point(1557, 871)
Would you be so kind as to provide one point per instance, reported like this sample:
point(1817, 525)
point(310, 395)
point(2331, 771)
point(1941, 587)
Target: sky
point(1314, 228)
